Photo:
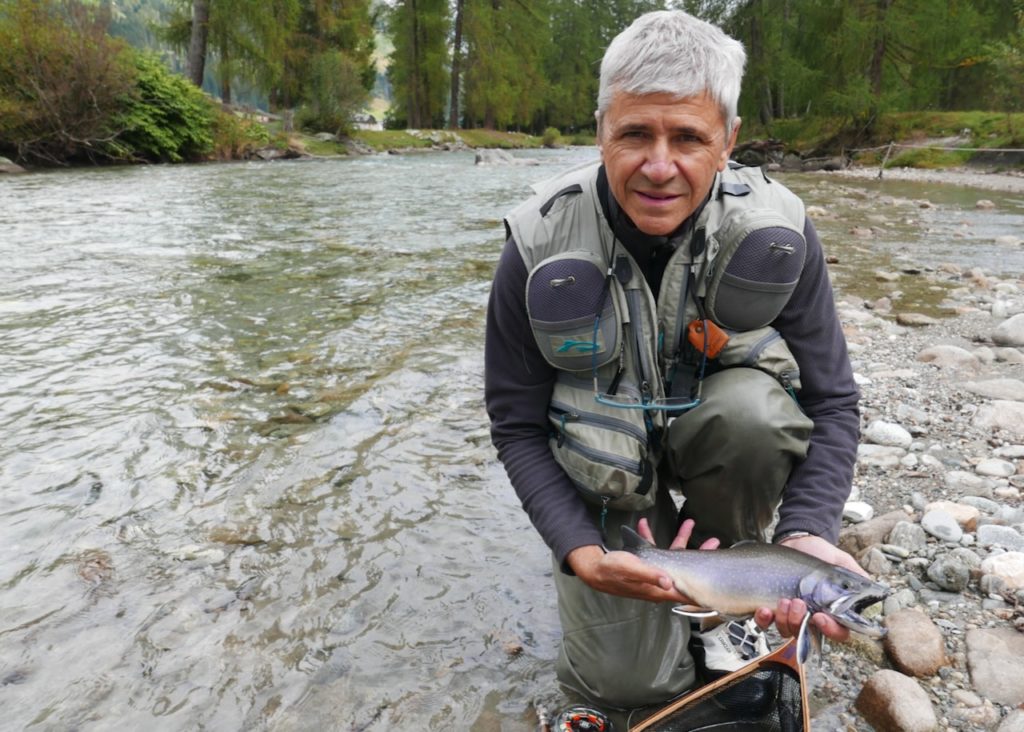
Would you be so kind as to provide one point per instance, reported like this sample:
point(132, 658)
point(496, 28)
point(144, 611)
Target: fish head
point(843, 595)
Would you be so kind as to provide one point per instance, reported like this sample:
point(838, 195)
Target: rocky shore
point(989, 179)
point(936, 513)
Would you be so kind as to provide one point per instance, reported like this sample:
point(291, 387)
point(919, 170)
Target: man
point(631, 299)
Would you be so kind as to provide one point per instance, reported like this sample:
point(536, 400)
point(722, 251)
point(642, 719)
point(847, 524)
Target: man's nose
point(659, 168)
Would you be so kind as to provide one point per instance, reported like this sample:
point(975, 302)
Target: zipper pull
point(604, 514)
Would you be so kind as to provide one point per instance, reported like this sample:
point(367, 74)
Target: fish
point(735, 581)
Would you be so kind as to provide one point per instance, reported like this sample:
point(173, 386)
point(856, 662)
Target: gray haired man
point(662, 327)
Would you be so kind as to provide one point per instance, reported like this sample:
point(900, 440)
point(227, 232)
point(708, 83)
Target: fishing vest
point(597, 322)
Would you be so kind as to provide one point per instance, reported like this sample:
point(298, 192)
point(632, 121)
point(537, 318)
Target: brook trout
point(737, 580)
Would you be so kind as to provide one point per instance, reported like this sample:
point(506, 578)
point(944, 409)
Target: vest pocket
point(759, 262)
point(574, 310)
point(764, 349)
point(605, 457)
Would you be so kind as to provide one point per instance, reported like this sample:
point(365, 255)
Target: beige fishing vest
point(592, 312)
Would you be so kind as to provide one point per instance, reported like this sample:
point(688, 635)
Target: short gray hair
point(673, 52)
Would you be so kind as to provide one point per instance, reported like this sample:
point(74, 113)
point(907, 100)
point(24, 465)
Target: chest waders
point(624, 361)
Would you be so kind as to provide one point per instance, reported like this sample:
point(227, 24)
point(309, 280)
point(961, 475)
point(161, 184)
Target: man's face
point(661, 154)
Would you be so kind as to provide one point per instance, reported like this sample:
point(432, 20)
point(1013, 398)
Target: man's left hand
point(790, 613)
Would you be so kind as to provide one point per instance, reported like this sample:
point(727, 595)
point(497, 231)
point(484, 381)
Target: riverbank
point(992, 180)
point(936, 511)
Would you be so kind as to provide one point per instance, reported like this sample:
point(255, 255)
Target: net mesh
point(772, 254)
point(768, 700)
point(566, 289)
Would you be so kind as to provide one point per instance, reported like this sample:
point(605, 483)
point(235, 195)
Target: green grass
point(983, 130)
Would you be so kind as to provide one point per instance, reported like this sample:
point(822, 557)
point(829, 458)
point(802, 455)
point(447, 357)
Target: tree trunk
point(225, 68)
point(878, 53)
point(415, 100)
point(453, 105)
point(197, 43)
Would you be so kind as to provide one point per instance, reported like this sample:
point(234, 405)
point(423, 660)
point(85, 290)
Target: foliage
point(235, 137)
point(859, 59)
point(418, 68)
point(335, 93)
point(166, 118)
point(506, 44)
point(552, 137)
point(62, 80)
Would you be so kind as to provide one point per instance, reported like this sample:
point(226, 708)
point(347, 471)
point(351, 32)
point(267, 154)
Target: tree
point(419, 62)
point(506, 43)
point(199, 33)
point(453, 103)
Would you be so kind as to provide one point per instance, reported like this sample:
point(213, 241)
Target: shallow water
point(246, 480)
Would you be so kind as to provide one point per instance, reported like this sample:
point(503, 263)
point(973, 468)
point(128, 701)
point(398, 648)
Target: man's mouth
point(657, 197)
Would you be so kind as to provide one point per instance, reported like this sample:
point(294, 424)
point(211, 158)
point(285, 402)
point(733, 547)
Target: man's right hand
point(623, 574)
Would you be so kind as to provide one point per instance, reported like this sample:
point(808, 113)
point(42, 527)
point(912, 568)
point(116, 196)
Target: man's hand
point(790, 613)
point(621, 573)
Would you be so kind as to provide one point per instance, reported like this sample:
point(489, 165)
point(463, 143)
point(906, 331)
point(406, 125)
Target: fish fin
point(694, 611)
point(803, 640)
point(743, 542)
point(631, 539)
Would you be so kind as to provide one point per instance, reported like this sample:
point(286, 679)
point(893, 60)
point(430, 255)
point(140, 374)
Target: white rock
point(942, 526)
point(951, 357)
point(858, 512)
point(881, 432)
point(1008, 566)
point(996, 468)
point(1004, 536)
point(1001, 415)
point(1010, 332)
point(965, 516)
point(1009, 389)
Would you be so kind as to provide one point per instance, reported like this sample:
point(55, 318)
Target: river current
point(246, 480)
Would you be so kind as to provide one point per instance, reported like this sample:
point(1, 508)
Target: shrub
point(235, 137)
point(62, 80)
point(551, 137)
point(165, 118)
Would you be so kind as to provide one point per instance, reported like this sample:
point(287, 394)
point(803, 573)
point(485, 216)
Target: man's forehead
point(683, 112)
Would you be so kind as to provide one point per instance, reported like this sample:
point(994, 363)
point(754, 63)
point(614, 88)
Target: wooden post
point(888, 152)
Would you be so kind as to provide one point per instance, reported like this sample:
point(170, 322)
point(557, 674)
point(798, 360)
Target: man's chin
point(658, 225)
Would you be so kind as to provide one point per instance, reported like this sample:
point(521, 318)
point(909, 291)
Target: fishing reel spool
point(582, 719)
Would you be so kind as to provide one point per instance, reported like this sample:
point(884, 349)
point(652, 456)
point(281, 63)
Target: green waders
point(731, 458)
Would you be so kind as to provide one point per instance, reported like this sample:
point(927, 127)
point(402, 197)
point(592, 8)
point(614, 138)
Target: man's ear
point(597, 127)
point(730, 144)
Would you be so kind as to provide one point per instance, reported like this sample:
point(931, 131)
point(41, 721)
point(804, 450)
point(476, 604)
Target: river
point(246, 479)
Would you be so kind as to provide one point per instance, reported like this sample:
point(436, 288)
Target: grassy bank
point(974, 129)
point(384, 140)
point(812, 136)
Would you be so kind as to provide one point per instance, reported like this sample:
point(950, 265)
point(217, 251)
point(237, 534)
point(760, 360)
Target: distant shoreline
point(969, 177)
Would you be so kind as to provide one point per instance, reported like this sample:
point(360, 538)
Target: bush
point(551, 137)
point(235, 137)
point(165, 118)
point(62, 80)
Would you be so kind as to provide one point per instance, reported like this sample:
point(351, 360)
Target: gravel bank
point(936, 513)
point(1009, 182)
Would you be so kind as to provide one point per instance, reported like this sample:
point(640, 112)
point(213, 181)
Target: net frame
point(783, 659)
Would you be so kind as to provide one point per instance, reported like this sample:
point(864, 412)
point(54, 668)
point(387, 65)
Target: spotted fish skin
point(738, 580)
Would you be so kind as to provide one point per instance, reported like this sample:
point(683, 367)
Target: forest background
point(110, 80)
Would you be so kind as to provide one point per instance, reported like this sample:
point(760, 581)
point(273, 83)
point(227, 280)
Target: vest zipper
point(567, 414)
point(634, 467)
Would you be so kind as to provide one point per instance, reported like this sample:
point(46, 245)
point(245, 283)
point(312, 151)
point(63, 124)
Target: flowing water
point(245, 476)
